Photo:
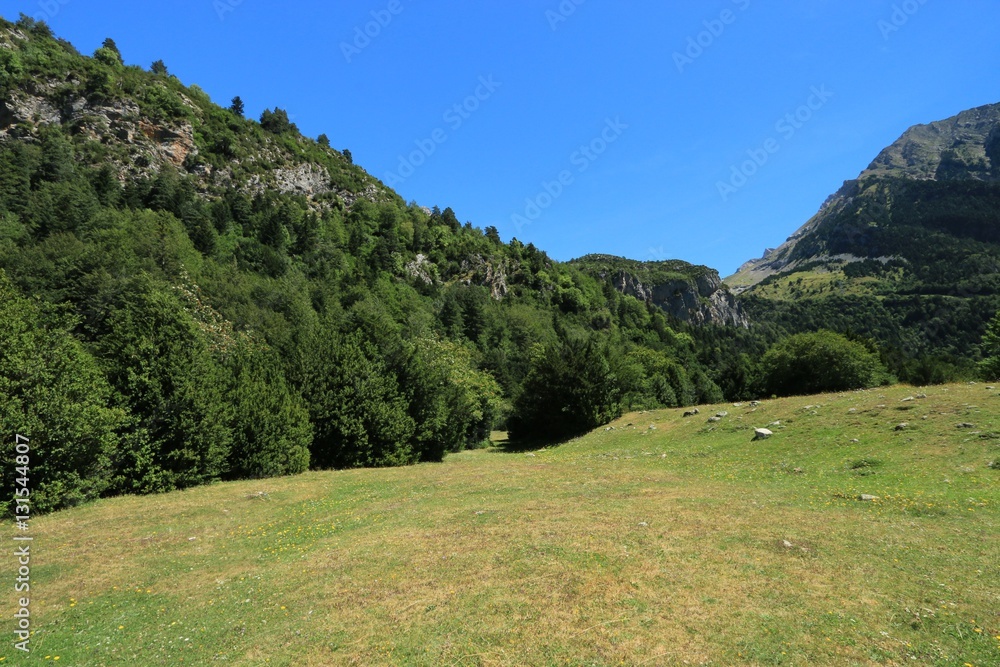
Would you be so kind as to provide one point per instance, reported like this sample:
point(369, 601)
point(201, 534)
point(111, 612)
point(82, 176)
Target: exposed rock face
point(150, 145)
point(704, 299)
point(146, 145)
point(492, 274)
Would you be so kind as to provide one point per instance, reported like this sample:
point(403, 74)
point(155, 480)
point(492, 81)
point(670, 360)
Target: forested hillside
point(189, 295)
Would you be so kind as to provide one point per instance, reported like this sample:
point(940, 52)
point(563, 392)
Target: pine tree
point(237, 106)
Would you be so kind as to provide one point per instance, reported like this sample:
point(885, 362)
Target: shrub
point(817, 362)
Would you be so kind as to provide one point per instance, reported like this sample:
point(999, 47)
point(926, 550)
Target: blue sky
point(605, 126)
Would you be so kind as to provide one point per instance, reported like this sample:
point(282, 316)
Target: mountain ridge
point(965, 146)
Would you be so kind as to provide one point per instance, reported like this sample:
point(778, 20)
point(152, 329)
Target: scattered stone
point(722, 414)
point(775, 424)
point(852, 411)
point(787, 544)
point(762, 434)
point(995, 465)
point(810, 407)
point(529, 454)
point(643, 524)
point(798, 471)
point(925, 417)
point(713, 420)
point(652, 428)
point(865, 497)
point(737, 405)
point(754, 404)
point(966, 425)
point(902, 427)
point(260, 495)
point(880, 407)
point(855, 441)
point(908, 399)
point(692, 413)
point(921, 396)
point(192, 539)
point(991, 388)
point(480, 513)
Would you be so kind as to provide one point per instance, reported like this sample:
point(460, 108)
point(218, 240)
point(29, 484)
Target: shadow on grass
point(503, 444)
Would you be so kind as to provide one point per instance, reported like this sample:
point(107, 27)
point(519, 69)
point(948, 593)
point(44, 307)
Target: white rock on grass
point(762, 434)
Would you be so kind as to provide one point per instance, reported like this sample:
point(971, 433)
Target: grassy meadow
point(664, 541)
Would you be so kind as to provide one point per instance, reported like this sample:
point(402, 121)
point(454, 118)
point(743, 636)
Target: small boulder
point(692, 413)
point(921, 396)
point(868, 498)
point(908, 399)
point(902, 427)
point(713, 420)
point(722, 414)
point(966, 425)
point(761, 434)
point(852, 411)
point(754, 404)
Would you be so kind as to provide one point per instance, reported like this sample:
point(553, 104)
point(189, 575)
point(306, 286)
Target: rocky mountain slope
point(965, 147)
point(687, 292)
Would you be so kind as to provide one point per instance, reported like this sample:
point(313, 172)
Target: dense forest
point(174, 319)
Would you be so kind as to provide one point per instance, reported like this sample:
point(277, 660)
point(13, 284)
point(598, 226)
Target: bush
point(812, 363)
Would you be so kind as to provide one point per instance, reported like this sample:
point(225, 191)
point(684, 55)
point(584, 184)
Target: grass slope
point(681, 544)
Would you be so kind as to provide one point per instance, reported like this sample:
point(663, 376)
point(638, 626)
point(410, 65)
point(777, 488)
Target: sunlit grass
point(682, 544)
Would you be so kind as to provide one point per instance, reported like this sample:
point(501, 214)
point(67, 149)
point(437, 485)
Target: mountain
point(907, 253)
point(965, 147)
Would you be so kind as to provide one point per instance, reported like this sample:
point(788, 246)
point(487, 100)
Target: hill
point(908, 253)
point(658, 540)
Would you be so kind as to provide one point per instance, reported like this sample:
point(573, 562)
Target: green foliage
point(52, 392)
point(271, 429)
point(358, 412)
point(819, 362)
point(570, 389)
point(989, 367)
point(159, 68)
point(277, 122)
point(166, 376)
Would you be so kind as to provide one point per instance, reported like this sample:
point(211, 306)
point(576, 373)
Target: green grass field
point(666, 541)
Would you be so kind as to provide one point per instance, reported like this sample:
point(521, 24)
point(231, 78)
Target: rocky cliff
point(690, 293)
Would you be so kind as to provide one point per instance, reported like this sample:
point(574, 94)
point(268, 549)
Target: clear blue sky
point(653, 192)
